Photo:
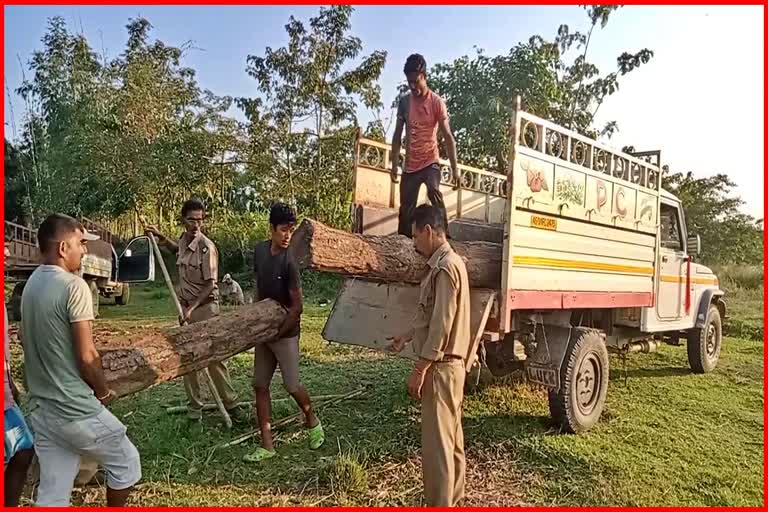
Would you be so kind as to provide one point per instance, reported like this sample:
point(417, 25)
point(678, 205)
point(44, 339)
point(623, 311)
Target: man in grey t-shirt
point(67, 387)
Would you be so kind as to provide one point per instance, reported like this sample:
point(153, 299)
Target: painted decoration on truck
point(621, 202)
point(570, 187)
point(624, 200)
point(601, 195)
point(570, 192)
point(537, 181)
point(534, 181)
point(646, 212)
point(599, 200)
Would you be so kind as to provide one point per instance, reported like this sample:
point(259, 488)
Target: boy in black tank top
point(277, 277)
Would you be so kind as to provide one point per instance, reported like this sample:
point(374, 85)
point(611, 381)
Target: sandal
point(316, 437)
point(259, 455)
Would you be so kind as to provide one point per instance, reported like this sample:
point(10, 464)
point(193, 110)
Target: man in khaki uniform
point(197, 260)
point(441, 339)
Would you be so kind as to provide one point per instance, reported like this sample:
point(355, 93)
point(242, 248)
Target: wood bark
point(138, 359)
point(390, 258)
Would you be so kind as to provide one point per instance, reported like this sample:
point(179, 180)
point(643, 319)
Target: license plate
point(544, 376)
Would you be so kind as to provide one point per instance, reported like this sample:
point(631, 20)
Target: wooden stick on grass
point(283, 421)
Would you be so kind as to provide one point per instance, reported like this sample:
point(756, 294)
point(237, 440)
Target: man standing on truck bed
point(67, 387)
point(197, 260)
point(422, 112)
point(276, 277)
point(441, 340)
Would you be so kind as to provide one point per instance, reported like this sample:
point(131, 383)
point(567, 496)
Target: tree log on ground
point(138, 359)
point(389, 258)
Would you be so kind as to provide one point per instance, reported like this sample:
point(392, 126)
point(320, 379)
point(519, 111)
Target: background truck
point(99, 267)
point(595, 257)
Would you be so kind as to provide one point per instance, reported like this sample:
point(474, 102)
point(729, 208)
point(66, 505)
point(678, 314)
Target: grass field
point(668, 437)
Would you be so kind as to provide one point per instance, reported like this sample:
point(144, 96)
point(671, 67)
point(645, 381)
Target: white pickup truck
point(107, 274)
point(595, 259)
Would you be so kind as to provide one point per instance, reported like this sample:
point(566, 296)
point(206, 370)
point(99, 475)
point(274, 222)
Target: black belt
point(448, 358)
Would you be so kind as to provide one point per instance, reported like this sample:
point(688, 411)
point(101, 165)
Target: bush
point(735, 277)
point(235, 235)
point(320, 287)
point(346, 475)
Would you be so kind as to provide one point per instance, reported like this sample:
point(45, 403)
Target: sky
point(699, 100)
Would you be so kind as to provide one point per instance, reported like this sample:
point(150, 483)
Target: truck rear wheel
point(125, 296)
point(579, 402)
point(95, 297)
point(704, 343)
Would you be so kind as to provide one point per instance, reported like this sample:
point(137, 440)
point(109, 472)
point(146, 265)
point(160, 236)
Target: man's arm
point(162, 240)
point(297, 299)
point(450, 143)
point(397, 139)
point(89, 360)
point(210, 284)
point(80, 312)
point(439, 328)
point(442, 317)
point(294, 312)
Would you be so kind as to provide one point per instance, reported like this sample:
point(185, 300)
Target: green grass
point(667, 437)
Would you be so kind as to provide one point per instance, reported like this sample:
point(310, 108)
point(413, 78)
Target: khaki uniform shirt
point(442, 325)
point(198, 262)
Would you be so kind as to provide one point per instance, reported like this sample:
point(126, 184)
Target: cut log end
point(301, 249)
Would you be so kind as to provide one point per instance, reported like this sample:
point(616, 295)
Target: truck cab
point(107, 274)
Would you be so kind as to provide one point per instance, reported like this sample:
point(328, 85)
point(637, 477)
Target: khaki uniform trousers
point(442, 438)
point(218, 371)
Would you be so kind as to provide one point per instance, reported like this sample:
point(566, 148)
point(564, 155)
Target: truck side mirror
point(137, 264)
point(694, 245)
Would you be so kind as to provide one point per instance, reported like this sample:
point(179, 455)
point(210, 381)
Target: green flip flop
point(259, 455)
point(316, 437)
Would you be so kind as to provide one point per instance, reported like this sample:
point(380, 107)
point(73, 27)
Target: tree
point(480, 91)
point(103, 136)
point(306, 113)
point(15, 185)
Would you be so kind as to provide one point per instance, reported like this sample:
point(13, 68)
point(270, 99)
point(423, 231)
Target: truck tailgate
point(367, 313)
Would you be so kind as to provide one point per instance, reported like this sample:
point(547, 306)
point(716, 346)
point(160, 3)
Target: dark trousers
point(409, 193)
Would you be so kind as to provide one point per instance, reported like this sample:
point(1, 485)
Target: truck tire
point(14, 306)
point(124, 297)
point(579, 402)
point(704, 343)
point(95, 296)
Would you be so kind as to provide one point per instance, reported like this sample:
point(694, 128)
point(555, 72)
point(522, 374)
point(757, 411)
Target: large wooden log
point(138, 359)
point(389, 258)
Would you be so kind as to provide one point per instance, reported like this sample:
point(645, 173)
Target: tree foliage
point(303, 123)
point(480, 90)
point(105, 136)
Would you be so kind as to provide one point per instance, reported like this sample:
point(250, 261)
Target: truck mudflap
point(366, 313)
point(552, 341)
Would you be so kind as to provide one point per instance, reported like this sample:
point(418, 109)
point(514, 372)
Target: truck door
point(137, 263)
point(672, 259)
